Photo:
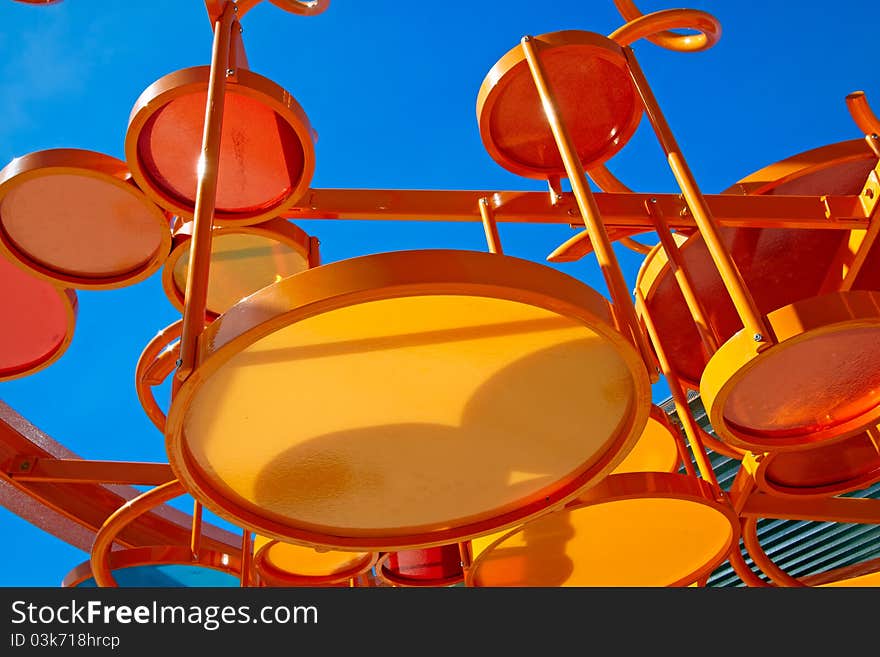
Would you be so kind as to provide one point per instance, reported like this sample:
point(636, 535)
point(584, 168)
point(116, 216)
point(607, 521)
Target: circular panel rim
point(277, 229)
point(635, 486)
point(793, 325)
point(96, 166)
point(497, 79)
point(248, 84)
point(392, 275)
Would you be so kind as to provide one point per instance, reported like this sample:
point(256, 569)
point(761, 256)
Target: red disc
point(38, 321)
point(266, 145)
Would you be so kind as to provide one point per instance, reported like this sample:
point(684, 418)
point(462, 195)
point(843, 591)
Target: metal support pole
point(196, 291)
point(623, 307)
point(740, 295)
point(490, 227)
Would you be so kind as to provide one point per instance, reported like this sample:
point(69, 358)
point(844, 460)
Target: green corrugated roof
point(799, 547)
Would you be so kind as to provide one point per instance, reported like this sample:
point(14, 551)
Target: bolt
point(869, 193)
point(178, 362)
point(527, 38)
point(652, 200)
point(757, 337)
point(875, 136)
point(25, 465)
point(571, 212)
point(230, 71)
point(484, 201)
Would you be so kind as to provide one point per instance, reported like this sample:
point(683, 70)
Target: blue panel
point(168, 576)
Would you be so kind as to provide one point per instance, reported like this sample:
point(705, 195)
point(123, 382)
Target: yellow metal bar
point(79, 471)
point(682, 277)
point(618, 210)
point(679, 399)
point(742, 299)
point(195, 541)
point(856, 510)
point(487, 213)
point(196, 291)
point(623, 306)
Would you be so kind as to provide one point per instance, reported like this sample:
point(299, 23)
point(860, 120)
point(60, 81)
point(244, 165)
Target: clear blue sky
point(390, 87)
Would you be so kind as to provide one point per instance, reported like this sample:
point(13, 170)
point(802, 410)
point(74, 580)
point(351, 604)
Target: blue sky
point(391, 89)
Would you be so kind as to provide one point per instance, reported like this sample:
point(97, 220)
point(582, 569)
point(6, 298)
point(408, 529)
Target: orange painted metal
point(106, 535)
point(38, 321)
point(243, 260)
point(205, 198)
point(267, 141)
point(164, 555)
point(574, 169)
point(611, 537)
point(679, 399)
point(618, 210)
point(28, 468)
point(283, 564)
point(848, 465)
point(490, 227)
point(706, 224)
point(656, 27)
point(779, 264)
point(74, 511)
point(74, 218)
point(428, 277)
point(819, 383)
point(156, 362)
point(585, 70)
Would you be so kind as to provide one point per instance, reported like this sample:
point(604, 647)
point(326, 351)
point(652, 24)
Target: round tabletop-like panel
point(595, 99)
point(163, 567)
point(635, 529)
point(284, 564)
point(820, 383)
point(244, 259)
point(656, 449)
point(266, 146)
point(405, 399)
point(779, 265)
point(73, 217)
point(38, 321)
point(436, 566)
point(840, 467)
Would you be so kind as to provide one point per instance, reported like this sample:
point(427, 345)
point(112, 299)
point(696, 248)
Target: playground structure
point(422, 460)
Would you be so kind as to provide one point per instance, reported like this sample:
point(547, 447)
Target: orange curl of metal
point(656, 27)
point(128, 512)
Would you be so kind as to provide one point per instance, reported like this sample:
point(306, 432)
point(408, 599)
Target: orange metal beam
point(617, 209)
point(865, 511)
point(29, 468)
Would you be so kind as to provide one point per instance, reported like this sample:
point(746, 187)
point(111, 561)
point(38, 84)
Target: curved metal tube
point(761, 559)
point(155, 364)
point(862, 114)
point(100, 561)
point(656, 26)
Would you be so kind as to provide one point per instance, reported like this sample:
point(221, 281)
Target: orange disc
point(634, 529)
point(841, 467)
point(38, 321)
point(243, 260)
point(74, 218)
point(819, 383)
point(163, 566)
point(284, 564)
point(780, 266)
point(266, 147)
point(595, 99)
point(392, 400)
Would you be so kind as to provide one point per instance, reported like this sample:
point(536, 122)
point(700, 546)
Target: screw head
point(178, 362)
point(230, 71)
point(757, 337)
point(875, 136)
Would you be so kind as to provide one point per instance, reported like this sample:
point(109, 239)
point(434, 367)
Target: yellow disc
point(635, 529)
point(285, 564)
point(656, 449)
point(407, 399)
